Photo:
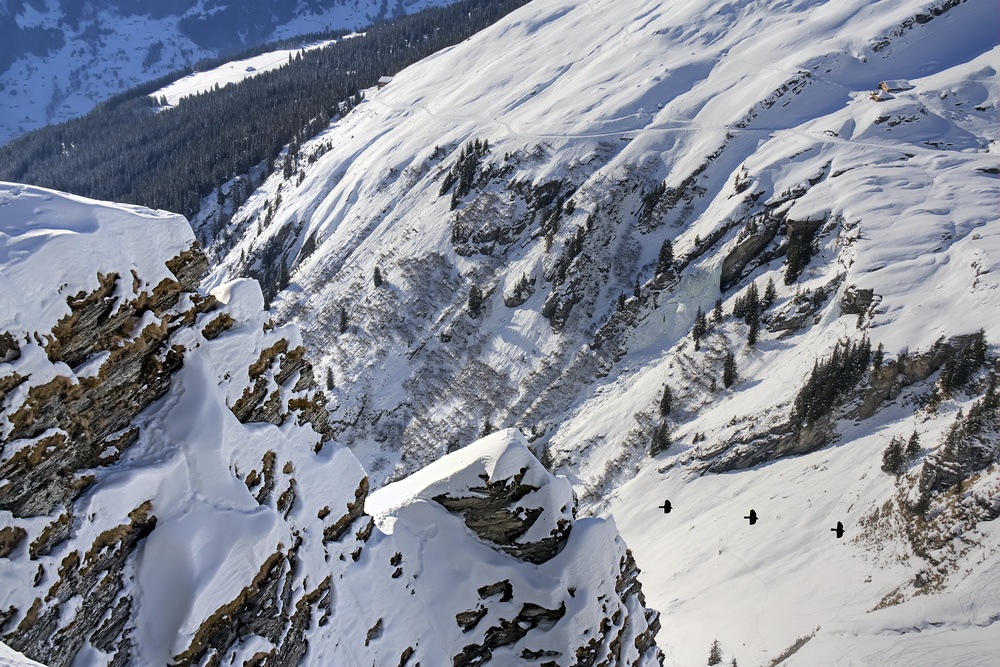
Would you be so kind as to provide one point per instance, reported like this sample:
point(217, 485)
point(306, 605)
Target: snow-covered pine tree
point(660, 441)
point(666, 401)
point(754, 332)
point(729, 370)
point(475, 301)
point(878, 356)
point(715, 653)
point(770, 294)
point(912, 446)
point(700, 328)
point(665, 261)
point(893, 459)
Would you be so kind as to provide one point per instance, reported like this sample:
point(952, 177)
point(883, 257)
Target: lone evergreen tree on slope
point(715, 653)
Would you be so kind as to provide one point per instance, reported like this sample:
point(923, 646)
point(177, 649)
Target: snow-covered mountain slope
point(61, 58)
point(514, 195)
point(169, 493)
point(231, 72)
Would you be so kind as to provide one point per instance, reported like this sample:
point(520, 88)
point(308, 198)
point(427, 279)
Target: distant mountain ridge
point(59, 59)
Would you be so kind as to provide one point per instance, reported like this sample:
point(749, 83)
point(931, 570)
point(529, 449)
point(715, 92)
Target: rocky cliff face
point(169, 493)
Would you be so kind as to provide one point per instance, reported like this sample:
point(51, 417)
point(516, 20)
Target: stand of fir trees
point(831, 379)
point(729, 375)
point(899, 453)
point(665, 259)
point(699, 329)
point(126, 150)
point(661, 440)
point(749, 308)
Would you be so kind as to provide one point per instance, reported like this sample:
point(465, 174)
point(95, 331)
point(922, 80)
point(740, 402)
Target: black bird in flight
point(665, 507)
point(839, 530)
point(752, 518)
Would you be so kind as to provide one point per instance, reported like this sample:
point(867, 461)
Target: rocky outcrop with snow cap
point(170, 494)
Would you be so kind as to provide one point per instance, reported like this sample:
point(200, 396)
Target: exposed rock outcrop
point(501, 494)
point(141, 370)
point(491, 513)
point(883, 383)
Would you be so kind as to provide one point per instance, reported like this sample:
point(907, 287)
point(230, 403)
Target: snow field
point(231, 72)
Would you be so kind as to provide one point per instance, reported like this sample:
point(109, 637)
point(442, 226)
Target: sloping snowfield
point(221, 556)
point(776, 94)
point(231, 72)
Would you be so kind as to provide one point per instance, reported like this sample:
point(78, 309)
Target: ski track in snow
point(682, 126)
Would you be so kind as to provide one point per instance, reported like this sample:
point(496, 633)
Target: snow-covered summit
point(502, 455)
point(51, 238)
point(499, 465)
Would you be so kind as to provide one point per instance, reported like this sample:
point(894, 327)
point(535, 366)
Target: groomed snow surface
point(231, 72)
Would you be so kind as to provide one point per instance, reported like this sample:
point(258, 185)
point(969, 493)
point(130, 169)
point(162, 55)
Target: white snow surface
point(11, 658)
point(586, 566)
point(498, 456)
point(231, 72)
point(615, 96)
point(40, 229)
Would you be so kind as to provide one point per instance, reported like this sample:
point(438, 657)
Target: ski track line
point(686, 126)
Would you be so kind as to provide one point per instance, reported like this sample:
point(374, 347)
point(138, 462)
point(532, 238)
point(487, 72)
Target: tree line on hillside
point(124, 150)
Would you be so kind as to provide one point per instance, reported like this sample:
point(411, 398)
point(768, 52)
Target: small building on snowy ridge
point(895, 85)
point(384, 81)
